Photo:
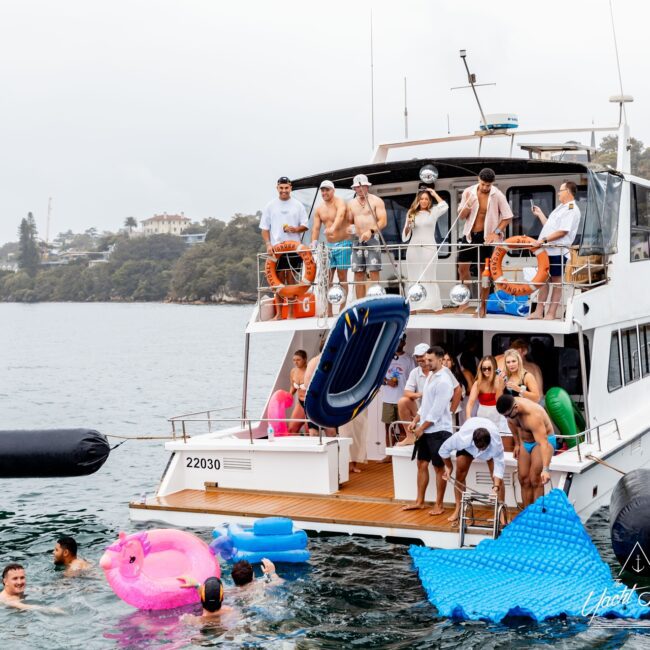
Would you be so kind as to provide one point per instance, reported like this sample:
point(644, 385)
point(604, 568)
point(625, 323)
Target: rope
point(125, 438)
point(602, 462)
point(322, 282)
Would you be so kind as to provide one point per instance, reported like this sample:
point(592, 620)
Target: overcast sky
point(133, 107)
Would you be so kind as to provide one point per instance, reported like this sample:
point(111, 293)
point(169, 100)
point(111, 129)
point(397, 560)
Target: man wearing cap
point(393, 387)
point(283, 219)
point(477, 439)
point(368, 214)
point(487, 214)
point(333, 214)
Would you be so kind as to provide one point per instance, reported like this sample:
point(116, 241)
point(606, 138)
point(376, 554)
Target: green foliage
point(606, 155)
point(28, 254)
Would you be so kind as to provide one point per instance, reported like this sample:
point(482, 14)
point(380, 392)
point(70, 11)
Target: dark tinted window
point(519, 198)
point(614, 379)
point(630, 349)
point(644, 335)
point(640, 224)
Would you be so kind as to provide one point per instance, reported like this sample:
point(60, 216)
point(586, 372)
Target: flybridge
point(381, 151)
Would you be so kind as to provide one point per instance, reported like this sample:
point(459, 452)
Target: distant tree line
point(153, 268)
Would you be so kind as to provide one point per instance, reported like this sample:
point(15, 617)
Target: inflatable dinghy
point(355, 359)
point(544, 564)
point(51, 452)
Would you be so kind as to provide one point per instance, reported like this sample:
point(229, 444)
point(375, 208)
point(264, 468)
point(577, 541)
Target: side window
point(640, 224)
point(520, 198)
point(614, 379)
point(630, 348)
point(644, 334)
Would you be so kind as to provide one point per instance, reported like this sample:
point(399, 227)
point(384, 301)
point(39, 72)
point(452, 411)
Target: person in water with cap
point(211, 593)
point(332, 213)
point(368, 214)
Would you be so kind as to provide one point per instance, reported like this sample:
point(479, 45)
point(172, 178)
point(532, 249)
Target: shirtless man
point(366, 253)
point(333, 214)
point(486, 213)
point(14, 582)
point(211, 594)
point(535, 443)
point(65, 554)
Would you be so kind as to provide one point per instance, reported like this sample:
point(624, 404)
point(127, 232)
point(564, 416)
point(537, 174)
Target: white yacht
point(598, 350)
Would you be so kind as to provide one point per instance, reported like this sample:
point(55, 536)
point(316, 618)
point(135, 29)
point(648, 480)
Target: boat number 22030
point(203, 463)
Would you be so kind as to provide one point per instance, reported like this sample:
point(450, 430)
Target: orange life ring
point(308, 269)
point(519, 243)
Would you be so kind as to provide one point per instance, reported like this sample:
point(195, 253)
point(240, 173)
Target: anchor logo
point(637, 561)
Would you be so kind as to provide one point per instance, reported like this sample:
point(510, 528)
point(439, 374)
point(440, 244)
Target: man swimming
point(14, 582)
point(535, 443)
point(65, 554)
point(211, 594)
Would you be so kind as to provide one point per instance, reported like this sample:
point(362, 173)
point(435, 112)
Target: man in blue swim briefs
point(333, 214)
point(535, 443)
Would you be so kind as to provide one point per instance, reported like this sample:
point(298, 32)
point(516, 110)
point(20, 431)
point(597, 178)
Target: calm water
point(123, 369)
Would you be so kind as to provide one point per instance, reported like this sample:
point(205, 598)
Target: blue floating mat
point(355, 359)
point(544, 564)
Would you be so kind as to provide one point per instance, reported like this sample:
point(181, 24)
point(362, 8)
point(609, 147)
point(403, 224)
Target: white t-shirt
point(415, 381)
point(565, 217)
point(399, 369)
point(276, 214)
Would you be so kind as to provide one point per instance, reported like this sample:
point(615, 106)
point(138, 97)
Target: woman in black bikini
point(297, 379)
point(517, 381)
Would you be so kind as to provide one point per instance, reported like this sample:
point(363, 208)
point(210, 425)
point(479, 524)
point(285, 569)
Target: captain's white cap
point(361, 179)
point(420, 349)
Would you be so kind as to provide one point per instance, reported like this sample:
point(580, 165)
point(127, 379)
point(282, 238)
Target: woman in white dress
point(420, 229)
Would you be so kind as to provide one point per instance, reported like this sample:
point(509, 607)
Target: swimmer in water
point(65, 555)
point(242, 573)
point(14, 582)
point(211, 593)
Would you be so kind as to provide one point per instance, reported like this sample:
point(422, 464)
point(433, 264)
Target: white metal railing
point(394, 276)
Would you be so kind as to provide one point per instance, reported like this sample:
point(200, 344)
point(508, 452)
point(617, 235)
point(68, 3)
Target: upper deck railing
point(397, 274)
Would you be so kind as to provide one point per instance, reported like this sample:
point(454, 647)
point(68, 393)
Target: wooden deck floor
point(364, 501)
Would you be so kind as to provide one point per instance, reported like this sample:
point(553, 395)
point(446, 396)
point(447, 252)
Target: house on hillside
point(165, 224)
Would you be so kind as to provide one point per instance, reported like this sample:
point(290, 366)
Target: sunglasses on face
point(486, 368)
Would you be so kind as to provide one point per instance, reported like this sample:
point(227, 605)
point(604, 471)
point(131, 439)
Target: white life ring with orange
point(519, 288)
point(308, 269)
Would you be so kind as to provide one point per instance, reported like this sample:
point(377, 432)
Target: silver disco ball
point(376, 290)
point(335, 295)
point(428, 174)
point(416, 293)
point(460, 295)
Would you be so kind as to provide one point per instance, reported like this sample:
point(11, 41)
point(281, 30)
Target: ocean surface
point(123, 369)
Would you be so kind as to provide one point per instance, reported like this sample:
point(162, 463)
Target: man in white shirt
point(478, 439)
point(559, 229)
point(431, 427)
point(283, 219)
point(409, 403)
point(393, 387)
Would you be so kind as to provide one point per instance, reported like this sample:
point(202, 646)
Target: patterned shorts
point(366, 256)
point(340, 254)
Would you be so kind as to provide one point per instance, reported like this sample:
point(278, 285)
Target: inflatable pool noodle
point(143, 569)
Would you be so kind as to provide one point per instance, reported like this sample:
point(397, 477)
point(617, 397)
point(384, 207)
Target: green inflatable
point(565, 414)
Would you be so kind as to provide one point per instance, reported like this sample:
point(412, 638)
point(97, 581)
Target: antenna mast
point(47, 223)
point(406, 114)
point(372, 87)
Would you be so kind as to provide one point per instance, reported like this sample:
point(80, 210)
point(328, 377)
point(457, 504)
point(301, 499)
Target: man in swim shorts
point(368, 214)
point(65, 554)
point(478, 439)
point(333, 214)
point(535, 443)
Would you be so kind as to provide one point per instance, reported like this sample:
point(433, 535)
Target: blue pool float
point(355, 359)
point(274, 538)
point(544, 564)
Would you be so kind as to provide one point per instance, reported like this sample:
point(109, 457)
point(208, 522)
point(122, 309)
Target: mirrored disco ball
point(460, 295)
point(416, 293)
point(376, 290)
point(335, 295)
point(428, 174)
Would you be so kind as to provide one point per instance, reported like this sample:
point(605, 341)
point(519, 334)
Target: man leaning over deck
point(477, 439)
point(487, 214)
point(431, 427)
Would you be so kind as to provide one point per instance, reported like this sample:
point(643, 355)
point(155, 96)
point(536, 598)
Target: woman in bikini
point(297, 379)
point(517, 381)
point(486, 389)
